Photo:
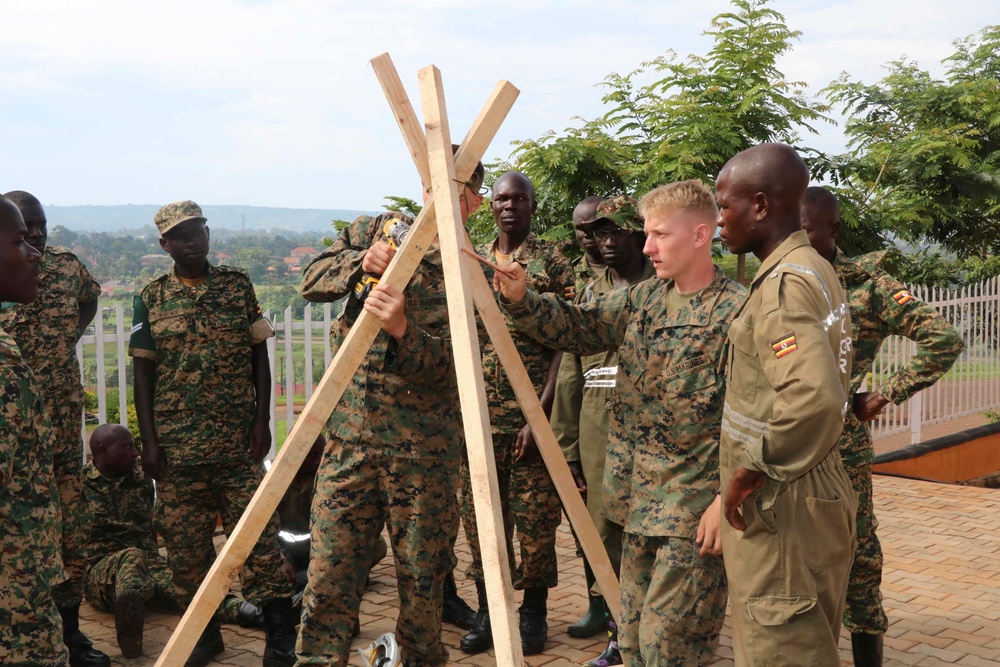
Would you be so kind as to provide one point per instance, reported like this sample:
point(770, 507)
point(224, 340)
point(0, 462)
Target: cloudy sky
point(273, 103)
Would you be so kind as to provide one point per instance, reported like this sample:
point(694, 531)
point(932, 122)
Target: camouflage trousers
point(31, 629)
point(864, 612)
point(132, 569)
point(150, 575)
point(528, 502)
point(76, 518)
point(356, 493)
point(673, 602)
point(188, 503)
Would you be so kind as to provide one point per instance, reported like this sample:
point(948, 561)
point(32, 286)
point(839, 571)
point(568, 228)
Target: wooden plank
point(495, 325)
point(548, 446)
point(469, 368)
point(328, 393)
point(402, 111)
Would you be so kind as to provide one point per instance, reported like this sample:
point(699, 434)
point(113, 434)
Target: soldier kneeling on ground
point(125, 572)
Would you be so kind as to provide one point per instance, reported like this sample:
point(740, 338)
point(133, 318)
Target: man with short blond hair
point(665, 418)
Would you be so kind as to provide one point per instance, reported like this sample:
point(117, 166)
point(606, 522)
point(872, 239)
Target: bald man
point(788, 537)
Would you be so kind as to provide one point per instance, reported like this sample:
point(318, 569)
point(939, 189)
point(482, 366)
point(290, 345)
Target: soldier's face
point(737, 216)
point(670, 241)
point(34, 220)
point(587, 241)
point(120, 455)
point(20, 274)
point(513, 205)
point(187, 243)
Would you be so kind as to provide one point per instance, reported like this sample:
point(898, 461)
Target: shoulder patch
point(784, 345)
point(903, 297)
point(569, 292)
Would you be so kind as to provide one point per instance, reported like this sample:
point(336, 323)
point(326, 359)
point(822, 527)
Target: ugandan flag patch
point(903, 297)
point(784, 345)
point(569, 292)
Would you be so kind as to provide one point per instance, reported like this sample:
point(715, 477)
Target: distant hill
point(255, 218)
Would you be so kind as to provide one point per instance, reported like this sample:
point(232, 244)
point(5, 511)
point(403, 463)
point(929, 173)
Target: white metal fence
point(300, 351)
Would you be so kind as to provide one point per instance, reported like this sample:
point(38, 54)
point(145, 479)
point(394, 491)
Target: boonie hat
point(171, 215)
point(622, 210)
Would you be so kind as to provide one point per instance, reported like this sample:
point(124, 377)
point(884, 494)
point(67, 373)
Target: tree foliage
point(673, 119)
point(924, 152)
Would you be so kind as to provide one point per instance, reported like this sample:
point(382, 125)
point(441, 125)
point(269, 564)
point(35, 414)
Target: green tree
point(687, 122)
point(924, 152)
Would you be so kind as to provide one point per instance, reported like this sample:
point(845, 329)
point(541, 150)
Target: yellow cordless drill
point(395, 231)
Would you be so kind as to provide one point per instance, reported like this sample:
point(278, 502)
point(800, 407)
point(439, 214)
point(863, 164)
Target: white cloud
point(274, 103)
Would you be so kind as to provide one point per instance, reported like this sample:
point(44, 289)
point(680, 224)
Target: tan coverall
point(788, 368)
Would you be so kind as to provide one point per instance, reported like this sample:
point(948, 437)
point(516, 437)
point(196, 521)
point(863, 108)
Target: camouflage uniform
point(788, 367)
point(581, 414)
point(585, 273)
point(203, 408)
point(528, 498)
point(46, 331)
point(662, 470)
point(31, 630)
point(392, 458)
point(881, 307)
point(122, 553)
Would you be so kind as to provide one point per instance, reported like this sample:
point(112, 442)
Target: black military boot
point(455, 610)
point(209, 645)
point(81, 650)
point(480, 637)
point(279, 633)
point(130, 619)
point(534, 628)
point(867, 649)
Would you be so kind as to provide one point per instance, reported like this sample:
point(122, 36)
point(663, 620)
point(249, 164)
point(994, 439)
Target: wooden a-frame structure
point(465, 285)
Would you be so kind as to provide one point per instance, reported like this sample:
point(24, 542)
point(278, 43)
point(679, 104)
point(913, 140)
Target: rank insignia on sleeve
point(784, 345)
point(903, 297)
point(569, 292)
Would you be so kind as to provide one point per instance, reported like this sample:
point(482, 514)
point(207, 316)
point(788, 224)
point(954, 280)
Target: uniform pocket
point(825, 528)
point(699, 608)
point(744, 365)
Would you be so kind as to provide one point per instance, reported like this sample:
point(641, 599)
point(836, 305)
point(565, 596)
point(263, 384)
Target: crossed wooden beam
point(465, 285)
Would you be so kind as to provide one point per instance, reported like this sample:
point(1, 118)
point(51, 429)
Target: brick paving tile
point(941, 590)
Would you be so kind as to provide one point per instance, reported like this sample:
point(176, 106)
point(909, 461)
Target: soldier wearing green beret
point(31, 628)
point(661, 475)
point(789, 506)
point(47, 331)
point(881, 306)
point(202, 397)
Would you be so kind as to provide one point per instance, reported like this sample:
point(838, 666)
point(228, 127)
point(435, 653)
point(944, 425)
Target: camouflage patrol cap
point(171, 215)
point(622, 210)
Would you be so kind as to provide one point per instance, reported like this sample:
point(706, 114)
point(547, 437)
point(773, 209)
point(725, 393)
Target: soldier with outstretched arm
point(665, 419)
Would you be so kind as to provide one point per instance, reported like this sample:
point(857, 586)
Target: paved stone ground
point(941, 587)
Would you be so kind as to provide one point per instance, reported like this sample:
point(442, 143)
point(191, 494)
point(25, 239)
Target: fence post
point(102, 396)
point(272, 359)
point(307, 328)
point(122, 377)
point(289, 373)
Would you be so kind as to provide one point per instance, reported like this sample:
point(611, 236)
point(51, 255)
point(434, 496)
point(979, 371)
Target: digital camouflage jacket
point(664, 432)
point(881, 306)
